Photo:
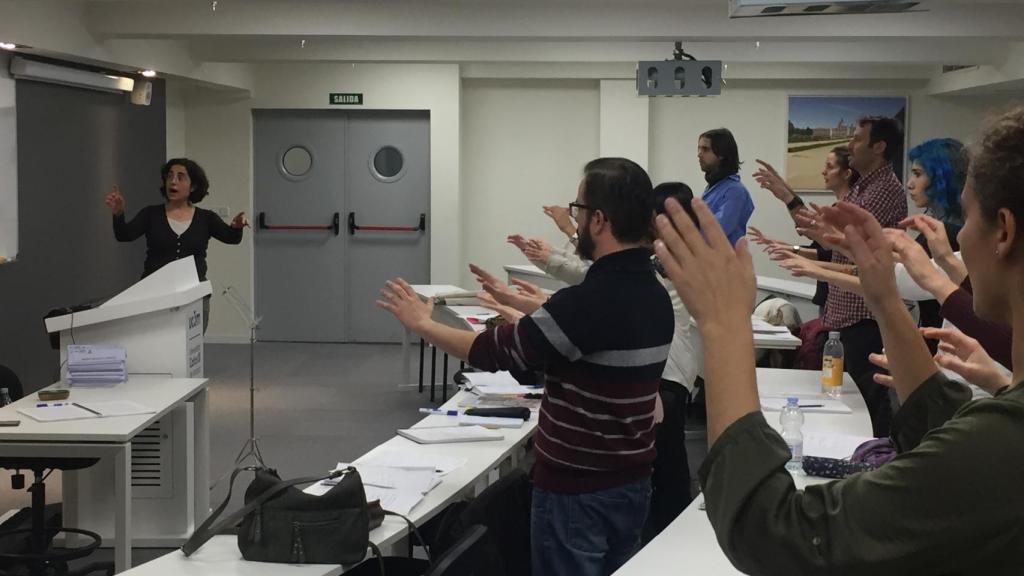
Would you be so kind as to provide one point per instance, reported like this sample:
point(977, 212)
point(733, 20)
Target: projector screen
point(8, 166)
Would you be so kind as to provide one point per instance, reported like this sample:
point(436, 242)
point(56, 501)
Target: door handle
point(353, 227)
point(334, 226)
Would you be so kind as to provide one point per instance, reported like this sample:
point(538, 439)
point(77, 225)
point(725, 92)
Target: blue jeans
point(590, 534)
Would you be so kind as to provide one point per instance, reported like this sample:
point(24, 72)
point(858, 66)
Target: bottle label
point(831, 371)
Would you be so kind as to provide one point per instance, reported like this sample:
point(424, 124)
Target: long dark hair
point(723, 144)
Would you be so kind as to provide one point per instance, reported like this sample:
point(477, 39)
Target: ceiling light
point(148, 73)
point(7, 46)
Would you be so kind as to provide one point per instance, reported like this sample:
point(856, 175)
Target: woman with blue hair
point(938, 171)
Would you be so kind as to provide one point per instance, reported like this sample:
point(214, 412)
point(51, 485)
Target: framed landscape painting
point(819, 123)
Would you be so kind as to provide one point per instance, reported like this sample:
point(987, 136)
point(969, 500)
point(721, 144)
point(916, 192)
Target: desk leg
point(200, 414)
point(422, 344)
point(406, 375)
point(433, 371)
point(69, 508)
point(444, 380)
point(123, 508)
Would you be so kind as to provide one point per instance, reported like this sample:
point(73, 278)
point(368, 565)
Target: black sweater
point(163, 246)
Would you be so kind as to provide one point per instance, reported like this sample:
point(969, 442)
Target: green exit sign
point(346, 99)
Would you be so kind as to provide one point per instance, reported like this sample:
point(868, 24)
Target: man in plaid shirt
point(876, 142)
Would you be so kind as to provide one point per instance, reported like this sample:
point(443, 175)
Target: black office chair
point(470, 556)
point(30, 548)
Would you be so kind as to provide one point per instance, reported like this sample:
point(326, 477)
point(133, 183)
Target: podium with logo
point(159, 323)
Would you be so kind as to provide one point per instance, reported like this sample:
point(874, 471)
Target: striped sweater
point(602, 345)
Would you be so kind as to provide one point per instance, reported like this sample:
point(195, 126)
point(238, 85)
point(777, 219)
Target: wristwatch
point(795, 203)
point(796, 248)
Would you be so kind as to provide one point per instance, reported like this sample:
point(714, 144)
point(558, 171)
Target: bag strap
point(208, 529)
point(414, 531)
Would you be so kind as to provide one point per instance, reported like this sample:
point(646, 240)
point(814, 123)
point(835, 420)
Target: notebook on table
point(450, 434)
point(60, 411)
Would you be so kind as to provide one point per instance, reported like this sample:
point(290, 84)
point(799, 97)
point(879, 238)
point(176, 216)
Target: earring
point(997, 251)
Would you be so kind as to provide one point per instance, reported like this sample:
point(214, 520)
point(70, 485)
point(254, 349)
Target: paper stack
point(496, 384)
point(96, 365)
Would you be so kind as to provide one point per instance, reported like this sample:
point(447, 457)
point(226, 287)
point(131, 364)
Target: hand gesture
point(865, 241)
point(518, 241)
point(767, 243)
point(934, 232)
point(801, 267)
point(920, 268)
point(399, 298)
point(771, 180)
point(560, 215)
point(965, 356)
point(115, 201)
point(715, 281)
point(507, 312)
point(813, 223)
point(240, 221)
point(484, 277)
point(537, 251)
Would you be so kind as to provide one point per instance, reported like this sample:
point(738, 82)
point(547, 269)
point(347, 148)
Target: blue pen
point(45, 405)
point(439, 412)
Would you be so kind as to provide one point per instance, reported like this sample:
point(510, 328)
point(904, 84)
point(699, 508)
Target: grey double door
point(341, 203)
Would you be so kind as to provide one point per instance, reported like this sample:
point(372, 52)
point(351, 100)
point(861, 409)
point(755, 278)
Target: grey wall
point(73, 145)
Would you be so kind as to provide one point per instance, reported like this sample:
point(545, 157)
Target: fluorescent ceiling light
point(7, 46)
point(23, 69)
point(149, 73)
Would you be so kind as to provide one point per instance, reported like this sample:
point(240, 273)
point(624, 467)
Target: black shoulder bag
point(280, 523)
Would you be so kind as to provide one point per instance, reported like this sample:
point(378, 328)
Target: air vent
point(754, 8)
point(151, 461)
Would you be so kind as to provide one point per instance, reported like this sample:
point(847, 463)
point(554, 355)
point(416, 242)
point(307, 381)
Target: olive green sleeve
point(948, 505)
point(930, 406)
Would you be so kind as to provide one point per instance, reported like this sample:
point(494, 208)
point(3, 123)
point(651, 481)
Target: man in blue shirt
point(725, 195)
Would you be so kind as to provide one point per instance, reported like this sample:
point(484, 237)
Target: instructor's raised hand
point(115, 201)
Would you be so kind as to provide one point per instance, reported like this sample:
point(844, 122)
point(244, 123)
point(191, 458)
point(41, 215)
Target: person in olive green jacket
point(952, 501)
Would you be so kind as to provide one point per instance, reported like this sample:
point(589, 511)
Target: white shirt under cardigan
point(683, 364)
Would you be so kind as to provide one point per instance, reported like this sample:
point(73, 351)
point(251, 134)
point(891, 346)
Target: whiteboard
point(8, 165)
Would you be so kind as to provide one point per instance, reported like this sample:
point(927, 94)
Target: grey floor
point(316, 405)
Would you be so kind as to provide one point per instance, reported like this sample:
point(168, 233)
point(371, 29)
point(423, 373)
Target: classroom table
point(688, 545)
point(110, 440)
point(484, 460)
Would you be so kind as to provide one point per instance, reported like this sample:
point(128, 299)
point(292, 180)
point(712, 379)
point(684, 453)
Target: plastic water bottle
point(792, 420)
point(832, 366)
point(5, 397)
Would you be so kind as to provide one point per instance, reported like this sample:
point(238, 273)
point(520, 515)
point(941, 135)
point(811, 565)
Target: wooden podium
point(159, 323)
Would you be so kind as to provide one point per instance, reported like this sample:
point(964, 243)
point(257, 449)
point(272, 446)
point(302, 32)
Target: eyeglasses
point(574, 209)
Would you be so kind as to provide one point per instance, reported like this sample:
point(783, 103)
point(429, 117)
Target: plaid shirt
point(882, 194)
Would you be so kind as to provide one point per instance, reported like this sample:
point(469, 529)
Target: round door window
point(297, 161)
point(388, 164)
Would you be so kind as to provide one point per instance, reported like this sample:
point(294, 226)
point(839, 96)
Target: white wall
point(219, 135)
point(175, 115)
point(757, 115)
point(625, 122)
point(524, 145)
point(8, 165)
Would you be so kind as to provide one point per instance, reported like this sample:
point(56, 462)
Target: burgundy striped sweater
point(602, 345)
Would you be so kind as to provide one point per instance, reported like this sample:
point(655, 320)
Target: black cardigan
point(163, 246)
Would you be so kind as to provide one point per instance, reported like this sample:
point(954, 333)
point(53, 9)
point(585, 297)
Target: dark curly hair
point(200, 184)
point(997, 166)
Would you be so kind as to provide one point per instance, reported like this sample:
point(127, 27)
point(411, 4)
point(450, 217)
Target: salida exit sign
point(346, 99)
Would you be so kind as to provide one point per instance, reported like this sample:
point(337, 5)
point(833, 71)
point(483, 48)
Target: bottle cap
point(833, 335)
point(792, 401)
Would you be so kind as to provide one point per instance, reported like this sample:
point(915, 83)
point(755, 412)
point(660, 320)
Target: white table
point(220, 556)
point(534, 275)
point(688, 543)
point(110, 440)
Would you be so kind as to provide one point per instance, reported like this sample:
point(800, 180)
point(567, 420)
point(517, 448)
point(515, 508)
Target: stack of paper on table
point(762, 327)
point(490, 421)
point(450, 434)
point(497, 384)
point(826, 445)
point(58, 411)
point(808, 403)
point(398, 480)
point(96, 365)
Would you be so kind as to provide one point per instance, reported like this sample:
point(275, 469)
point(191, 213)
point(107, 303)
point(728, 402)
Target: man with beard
point(602, 345)
point(726, 197)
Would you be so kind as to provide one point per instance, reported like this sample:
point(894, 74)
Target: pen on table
point(47, 405)
point(439, 412)
point(86, 409)
point(812, 405)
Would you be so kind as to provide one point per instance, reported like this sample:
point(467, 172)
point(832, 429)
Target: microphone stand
point(251, 448)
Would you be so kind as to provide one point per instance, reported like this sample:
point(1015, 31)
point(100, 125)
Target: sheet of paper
point(490, 421)
point(450, 434)
point(441, 463)
point(807, 404)
point(117, 408)
point(415, 479)
point(53, 412)
point(400, 501)
point(832, 445)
